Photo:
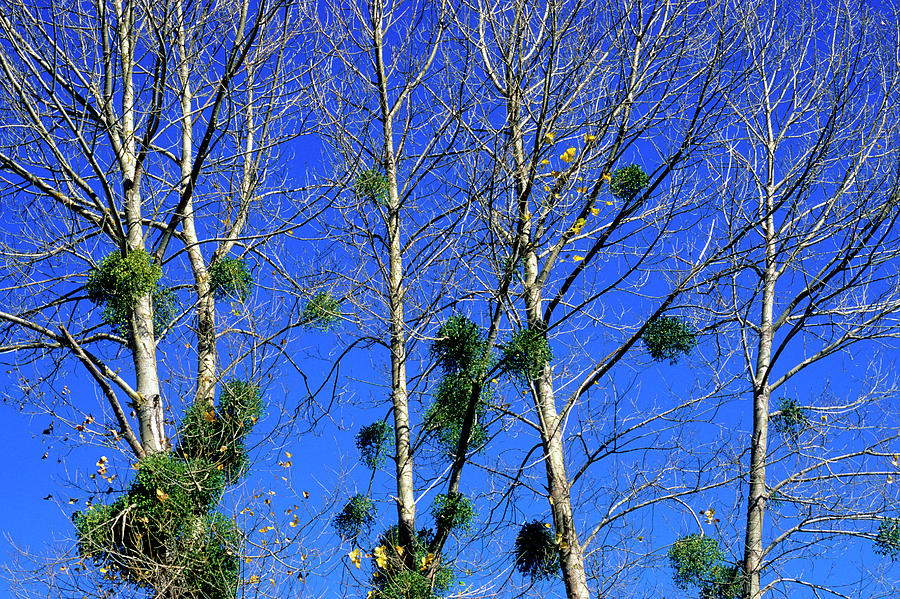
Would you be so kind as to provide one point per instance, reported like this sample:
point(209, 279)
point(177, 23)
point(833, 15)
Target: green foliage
point(888, 540)
point(372, 442)
point(356, 517)
point(372, 184)
point(667, 336)
point(216, 433)
point(454, 510)
point(230, 277)
point(119, 282)
point(164, 531)
point(322, 312)
point(790, 421)
point(460, 347)
point(628, 181)
point(446, 414)
point(537, 555)
point(697, 562)
point(164, 527)
point(394, 580)
point(526, 354)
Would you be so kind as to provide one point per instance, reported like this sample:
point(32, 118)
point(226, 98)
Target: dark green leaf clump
point(393, 579)
point(888, 540)
point(445, 416)
point(356, 518)
point(628, 181)
point(164, 529)
point(697, 562)
point(230, 277)
point(372, 185)
point(322, 312)
point(537, 555)
point(454, 511)
point(526, 354)
point(668, 337)
point(119, 282)
point(216, 433)
point(372, 442)
point(790, 420)
point(463, 355)
point(460, 346)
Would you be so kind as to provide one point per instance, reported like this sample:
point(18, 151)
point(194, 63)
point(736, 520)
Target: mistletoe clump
point(790, 420)
point(230, 277)
point(453, 511)
point(887, 542)
point(462, 352)
point(372, 442)
point(537, 554)
point(164, 529)
point(372, 185)
point(357, 517)
point(322, 312)
point(628, 181)
point(697, 562)
point(446, 415)
point(216, 433)
point(118, 282)
point(394, 579)
point(526, 354)
point(667, 337)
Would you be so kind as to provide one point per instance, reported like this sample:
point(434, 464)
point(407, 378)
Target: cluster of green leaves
point(526, 354)
point(372, 442)
point(118, 282)
point(321, 312)
point(887, 542)
point(697, 561)
point(230, 277)
point(667, 337)
point(462, 352)
point(166, 521)
point(216, 433)
point(393, 579)
point(791, 420)
point(165, 527)
point(454, 510)
point(628, 181)
point(356, 518)
point(372, 185)
point(537, 554)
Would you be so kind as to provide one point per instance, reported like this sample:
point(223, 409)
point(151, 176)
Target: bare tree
point(812, 168)
point(140, 137)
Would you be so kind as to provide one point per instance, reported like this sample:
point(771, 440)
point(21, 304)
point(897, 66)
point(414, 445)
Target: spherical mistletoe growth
point(627, 182)
point(726, 582)
point(790, 420)
point(372, 185)
point(230, 277)
point(447, 413)
point(454, 511)
point(322, 312)
point(164, 531)
point(356, 518)
point(372, 442)
point(667, 337)
point(694, 559)
point(526, 354)
point(537, 555)
point(119, 282)
point(888, 540)
point(393, 579)
point(217, 434)
point(460, 346)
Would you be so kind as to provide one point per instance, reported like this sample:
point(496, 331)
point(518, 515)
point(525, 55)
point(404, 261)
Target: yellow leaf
point(288, 454)
point(595, 211)
point(548, 138)
point(545, 161)
point(589, 138)
point(608, 203)
point(161, 495)
point(253, 579)
point(380, 557)
point(568, 155)
point(607, 176)
point(577, 258)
